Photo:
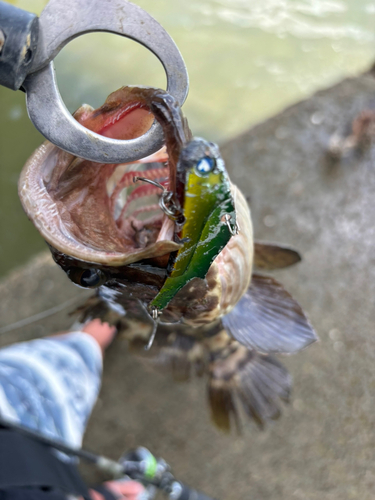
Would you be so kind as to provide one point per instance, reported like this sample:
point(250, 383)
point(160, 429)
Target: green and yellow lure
point(203, 193)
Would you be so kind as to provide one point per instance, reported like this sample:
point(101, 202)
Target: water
point(246, 61)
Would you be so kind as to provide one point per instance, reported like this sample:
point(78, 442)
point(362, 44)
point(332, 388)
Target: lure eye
point(87, 278)
point(205, 165)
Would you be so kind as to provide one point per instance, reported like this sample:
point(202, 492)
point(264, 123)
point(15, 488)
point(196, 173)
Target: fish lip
point(42, 208)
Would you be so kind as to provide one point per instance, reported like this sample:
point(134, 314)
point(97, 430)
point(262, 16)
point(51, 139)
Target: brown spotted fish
point(168, 242)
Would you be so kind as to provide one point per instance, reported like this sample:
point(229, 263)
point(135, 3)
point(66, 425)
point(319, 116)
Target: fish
point(167, 244)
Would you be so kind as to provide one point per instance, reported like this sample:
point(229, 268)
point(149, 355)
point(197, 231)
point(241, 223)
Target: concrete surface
point(323, 446)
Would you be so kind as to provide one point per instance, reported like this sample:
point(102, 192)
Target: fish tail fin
point(242, 377)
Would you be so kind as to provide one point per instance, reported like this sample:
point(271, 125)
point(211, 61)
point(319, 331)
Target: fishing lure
point(209, 217)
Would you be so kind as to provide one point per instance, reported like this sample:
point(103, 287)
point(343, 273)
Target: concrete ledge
point(323, 446)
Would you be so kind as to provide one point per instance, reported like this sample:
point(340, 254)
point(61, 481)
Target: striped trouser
point(51, 384)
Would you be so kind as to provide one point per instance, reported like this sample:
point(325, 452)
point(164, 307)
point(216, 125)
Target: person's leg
point(103, 333)
point(126, 489)
point(51, 384)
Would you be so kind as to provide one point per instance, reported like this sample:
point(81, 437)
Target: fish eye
point(87, 278)
point(205, 165)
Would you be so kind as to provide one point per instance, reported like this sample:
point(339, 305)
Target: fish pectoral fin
point(244, 377)
point(268, 319)
point(273, 256)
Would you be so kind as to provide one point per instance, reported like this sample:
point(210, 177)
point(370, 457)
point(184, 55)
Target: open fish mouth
point(96, 212)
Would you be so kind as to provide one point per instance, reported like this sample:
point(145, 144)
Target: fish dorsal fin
point(268, 319)
point(274, 256)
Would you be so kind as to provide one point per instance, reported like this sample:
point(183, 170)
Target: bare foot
point(103, 333)
point(126, 489)
point(122, 490)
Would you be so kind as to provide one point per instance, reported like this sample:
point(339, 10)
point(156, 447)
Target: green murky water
point(246, 61)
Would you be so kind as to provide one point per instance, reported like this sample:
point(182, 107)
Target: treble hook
point(154, 313)
point(155, 316)
point(233, 230)
point(165, 203)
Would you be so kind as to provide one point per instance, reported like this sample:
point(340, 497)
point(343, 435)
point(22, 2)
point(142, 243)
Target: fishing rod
point(140, 465)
